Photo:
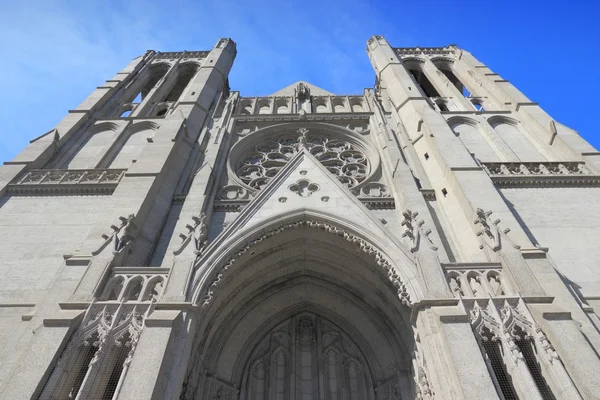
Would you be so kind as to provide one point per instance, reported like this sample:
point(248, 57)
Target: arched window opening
point(157, 72)
point(442, 106)
point(321, 107)
point(113, 289)
point(130, 147)
point(357, 106)
point(338, 107)
point(478, 106)
point(115, 365)
point(473, 139)
point(495, 284)
point(454, 80)
point(76, 370)
point(86, 151)
point(134, 289)
point(264, 108)
point(475, 284)
point(185, 76)
point(527, 347)
point(426, 86)
point(125, 114)
point(162, 112)
point(456, 285)
point(518, 142)
point(493, 352)
point(153, 290)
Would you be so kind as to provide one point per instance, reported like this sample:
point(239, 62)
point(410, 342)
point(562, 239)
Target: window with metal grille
point(115, 367)
point(73, 374)
point(494, 354)
point(527, 347)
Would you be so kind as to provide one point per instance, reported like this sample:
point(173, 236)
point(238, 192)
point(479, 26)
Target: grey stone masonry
point(433, 237)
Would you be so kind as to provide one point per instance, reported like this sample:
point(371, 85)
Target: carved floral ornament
point(414, 231)
point(343, 158)
point(381, 259)
point(509, 322)
point(490, 233)
point(304, 187)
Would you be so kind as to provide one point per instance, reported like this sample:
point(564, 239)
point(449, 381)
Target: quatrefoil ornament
point(304, 188)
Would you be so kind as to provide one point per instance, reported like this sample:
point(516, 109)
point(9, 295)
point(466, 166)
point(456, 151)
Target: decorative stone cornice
point(181, 54)
point(379, 203)
point(409, 51)
point(541, 174)
point(73, 182)
point(230, 206)
point(305, 117)
point(372, 203)
point(381, 260)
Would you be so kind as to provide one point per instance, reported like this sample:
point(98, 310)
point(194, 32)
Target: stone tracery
point(342, 158)
point(306, 355)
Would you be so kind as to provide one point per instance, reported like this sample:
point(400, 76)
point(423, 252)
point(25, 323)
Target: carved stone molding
point(57, 182)
point(306, 117)
point(541, 174)
point(361, 244)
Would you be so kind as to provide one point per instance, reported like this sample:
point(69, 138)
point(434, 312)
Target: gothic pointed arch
point(294, 298)
point(350, 222)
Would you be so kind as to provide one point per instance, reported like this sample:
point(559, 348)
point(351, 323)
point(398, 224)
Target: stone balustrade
point(66, 182)
point(476, 280)
point(541, 174)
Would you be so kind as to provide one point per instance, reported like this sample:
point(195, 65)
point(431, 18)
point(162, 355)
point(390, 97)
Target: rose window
point(343, 159)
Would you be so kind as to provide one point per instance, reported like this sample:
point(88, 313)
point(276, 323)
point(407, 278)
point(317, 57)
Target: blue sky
point(56, 52)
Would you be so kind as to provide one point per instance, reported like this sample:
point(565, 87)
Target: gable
point(289, 90)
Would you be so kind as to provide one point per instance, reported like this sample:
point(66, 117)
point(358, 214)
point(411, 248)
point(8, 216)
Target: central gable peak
point(294, 87)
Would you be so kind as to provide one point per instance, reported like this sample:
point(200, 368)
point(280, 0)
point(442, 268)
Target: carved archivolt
point(342, 158)
point(361, 244)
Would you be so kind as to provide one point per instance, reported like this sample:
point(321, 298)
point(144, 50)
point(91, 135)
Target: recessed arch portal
point(306, 310)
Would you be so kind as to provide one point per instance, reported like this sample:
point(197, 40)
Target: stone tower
point(434, 237)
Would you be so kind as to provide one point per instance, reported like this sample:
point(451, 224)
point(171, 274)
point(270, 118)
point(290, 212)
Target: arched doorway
point(306, 313)
point(303, 356)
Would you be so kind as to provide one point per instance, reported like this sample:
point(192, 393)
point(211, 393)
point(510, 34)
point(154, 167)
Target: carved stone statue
point(303, 92)
point(302, 138)
point(125, 234)
point(200, 233)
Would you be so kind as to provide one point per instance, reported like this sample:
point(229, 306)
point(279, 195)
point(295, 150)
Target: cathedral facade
point(434, 237)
